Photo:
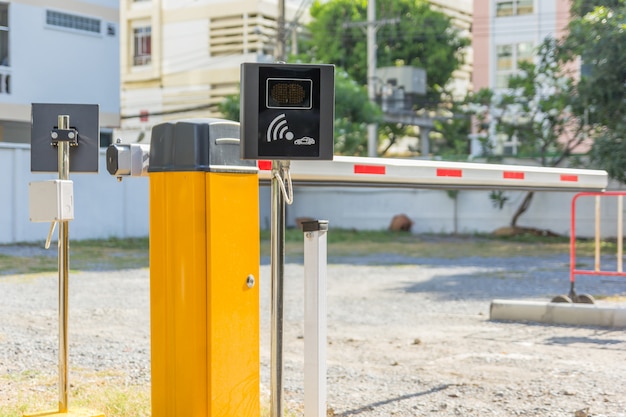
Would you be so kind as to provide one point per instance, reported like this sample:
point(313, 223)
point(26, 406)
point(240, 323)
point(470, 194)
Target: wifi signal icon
point(278, 129)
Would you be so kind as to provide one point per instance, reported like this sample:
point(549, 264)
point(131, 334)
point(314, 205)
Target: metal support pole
point(620, 232)
point(281, 49)
point(315, 318)
point(63, 149)
point(597, 235)
point(277, 260)
point(372, 129)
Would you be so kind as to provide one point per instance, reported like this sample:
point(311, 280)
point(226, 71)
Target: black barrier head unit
point(287, 111)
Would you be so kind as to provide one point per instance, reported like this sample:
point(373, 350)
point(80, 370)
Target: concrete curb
point(558, 313)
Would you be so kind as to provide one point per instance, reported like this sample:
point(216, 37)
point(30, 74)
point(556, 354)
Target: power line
point(167, 112)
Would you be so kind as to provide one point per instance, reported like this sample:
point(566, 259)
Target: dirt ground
point(406, 337)
point(415, 340)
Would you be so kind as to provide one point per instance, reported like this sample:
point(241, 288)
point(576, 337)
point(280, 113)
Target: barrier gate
point(204, 237)
point(572, 296)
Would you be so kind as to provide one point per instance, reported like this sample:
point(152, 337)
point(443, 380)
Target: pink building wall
point(562, 17)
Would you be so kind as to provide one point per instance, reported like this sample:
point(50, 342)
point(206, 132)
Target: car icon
point(304, 141)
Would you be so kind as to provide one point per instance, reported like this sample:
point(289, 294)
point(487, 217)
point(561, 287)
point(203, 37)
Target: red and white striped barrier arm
point(416, 173)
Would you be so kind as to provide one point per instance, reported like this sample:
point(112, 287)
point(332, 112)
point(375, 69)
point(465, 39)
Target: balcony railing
point(5, 80)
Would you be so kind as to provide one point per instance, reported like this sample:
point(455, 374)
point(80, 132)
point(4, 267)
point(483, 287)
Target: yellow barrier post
point(204, 269)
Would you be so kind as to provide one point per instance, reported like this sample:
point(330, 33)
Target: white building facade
point(179, 59)
point(57, 51)
point(506, 32)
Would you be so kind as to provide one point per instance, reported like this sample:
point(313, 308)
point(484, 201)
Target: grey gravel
point(407, 337)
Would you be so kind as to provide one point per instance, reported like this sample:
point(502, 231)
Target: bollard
point(204, 272)
point(315, 339)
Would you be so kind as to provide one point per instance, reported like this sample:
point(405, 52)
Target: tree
point(548, 113)
point(421, 37)
point(353, 111)
point(602, 88)
point(599, 38)
point(534, 113)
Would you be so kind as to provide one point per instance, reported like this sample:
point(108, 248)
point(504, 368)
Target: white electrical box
point(411, 79)
point(51, 201)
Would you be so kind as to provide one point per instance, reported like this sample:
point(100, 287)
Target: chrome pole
point(277, 260)
point(63, 149)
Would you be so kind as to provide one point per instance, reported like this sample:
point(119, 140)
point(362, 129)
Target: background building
point(506, 32)
point(461, 13)
point(179, 59)
point(57, 51)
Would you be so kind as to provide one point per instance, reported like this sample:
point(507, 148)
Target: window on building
point(142, 45)
point(514, 7)
point(71, 21)
point(4, 34)
point(508, 58)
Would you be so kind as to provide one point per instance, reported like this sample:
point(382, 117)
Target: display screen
point(289, 93)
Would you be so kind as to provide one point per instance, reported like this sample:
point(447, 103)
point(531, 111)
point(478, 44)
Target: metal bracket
point(66, 135)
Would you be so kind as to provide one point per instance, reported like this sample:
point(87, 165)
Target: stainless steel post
point(63, 149)
point(277, 260)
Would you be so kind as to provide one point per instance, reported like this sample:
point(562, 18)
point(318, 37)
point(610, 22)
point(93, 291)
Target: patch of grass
point(35, 393)
point(342, 242)
point(26, 265)
point(114, 253)
point(85, 255)
point(111, 253)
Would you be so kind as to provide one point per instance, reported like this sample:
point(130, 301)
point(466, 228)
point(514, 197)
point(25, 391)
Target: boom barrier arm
point(126, 160)
point(415, 173)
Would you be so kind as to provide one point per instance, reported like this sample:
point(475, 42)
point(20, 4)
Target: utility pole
point(372, 128)
point(372, 27)
point(281, 49)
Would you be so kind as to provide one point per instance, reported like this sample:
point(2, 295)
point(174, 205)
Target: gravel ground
point(407, 337)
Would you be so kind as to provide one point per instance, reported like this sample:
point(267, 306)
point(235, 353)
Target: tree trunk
point(522, 208)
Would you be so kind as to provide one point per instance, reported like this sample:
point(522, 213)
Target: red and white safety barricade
point(416, 173)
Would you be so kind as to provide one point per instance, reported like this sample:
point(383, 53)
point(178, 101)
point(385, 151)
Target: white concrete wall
point(50, 64)
point(103, 207)
point(106, 208)
point(434, 211)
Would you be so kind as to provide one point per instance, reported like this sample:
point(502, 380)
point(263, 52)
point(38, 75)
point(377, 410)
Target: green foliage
point(498, 199)
point(353, 112)
point(609, 153)
point(450, 136)
point(422, 38)
point(582, 7)
point(536, 111)
point(229, 107)
point(598, 35)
